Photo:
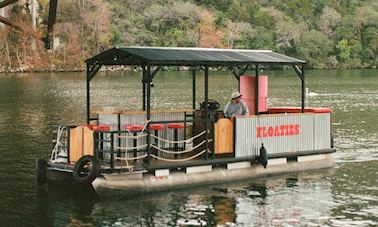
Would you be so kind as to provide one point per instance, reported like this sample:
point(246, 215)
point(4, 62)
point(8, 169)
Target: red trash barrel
point(247, 89)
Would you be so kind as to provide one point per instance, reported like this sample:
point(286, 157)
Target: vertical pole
point(144, 87)
point(193, 100)
point(303, 89)
point(206, 111)
point(111, 150)
point(68, 144)
point(148, 80)
point(96, 136)
point(257, 90)
point(88, 94)
point(119, 129)
point(194, 88)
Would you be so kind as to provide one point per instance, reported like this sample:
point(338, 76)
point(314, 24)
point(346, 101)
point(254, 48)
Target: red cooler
point(247, 89)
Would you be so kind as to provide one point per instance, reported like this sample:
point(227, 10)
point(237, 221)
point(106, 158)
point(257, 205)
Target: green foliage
point(326, 33)
point(344, 49)
point(314, 47)
point(221, 5)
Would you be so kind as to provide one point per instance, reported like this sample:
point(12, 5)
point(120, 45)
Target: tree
point(83, 28)
point(349, 53)
point(96, 26)
point(287, 32)
point(176, 25)
point(329, 20)
point(344, 50)
point(221, 5)
point(314, 47)
point(209, 36)
point(236, 31)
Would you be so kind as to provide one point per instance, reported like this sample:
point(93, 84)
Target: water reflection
point(31, 103)
point(272, 201)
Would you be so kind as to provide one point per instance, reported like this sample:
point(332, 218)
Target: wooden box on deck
point(224, 136)
point(81, 142)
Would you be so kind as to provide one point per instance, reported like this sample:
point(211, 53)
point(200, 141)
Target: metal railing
point(113, 147)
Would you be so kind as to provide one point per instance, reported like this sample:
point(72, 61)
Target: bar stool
point(105, 128)
point(101, 136)
point(156, 128)
point(134, 129)
point(176, 127)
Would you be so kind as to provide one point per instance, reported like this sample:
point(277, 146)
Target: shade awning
point(185, 56)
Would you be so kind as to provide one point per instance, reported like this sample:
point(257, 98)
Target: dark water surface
point(344, 196)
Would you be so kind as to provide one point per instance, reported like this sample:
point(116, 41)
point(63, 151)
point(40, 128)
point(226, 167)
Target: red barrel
point(248, 88)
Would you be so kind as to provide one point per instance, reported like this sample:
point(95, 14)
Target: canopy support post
point(194, 88)
point(148, 81)
point(144, 87)
point(301, 74)
point(145, 80)
point(206, 111)
point(303, 90)
point(257, 90)
point(91, 72)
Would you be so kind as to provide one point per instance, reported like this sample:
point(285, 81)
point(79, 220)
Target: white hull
point(132, 183)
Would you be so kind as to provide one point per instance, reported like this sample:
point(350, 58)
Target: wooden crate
point(224, 136)
point(81, 142)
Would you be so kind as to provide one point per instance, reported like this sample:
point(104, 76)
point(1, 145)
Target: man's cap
point(235, 95)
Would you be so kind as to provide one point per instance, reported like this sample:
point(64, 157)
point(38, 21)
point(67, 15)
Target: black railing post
point(88, 94)
point(119, 134)
point(96, 142)
point(112, 150)
point(212, 139)
point(68, 140)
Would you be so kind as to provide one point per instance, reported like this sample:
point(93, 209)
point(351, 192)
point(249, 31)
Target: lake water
point(344, 196)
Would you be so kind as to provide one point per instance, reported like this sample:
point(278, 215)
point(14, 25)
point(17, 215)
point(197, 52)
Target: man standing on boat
point(236, 107)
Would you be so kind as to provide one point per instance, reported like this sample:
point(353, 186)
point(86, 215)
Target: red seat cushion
point(134, 128)
point(101, 127)
point(176, 125)
point(98, 127)
point(157, 127)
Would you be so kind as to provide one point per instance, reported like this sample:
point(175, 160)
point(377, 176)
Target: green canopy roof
point(185, 56)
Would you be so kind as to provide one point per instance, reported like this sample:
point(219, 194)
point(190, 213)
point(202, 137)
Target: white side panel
point(279, 133)
point(311, 158)
point(161, 172)
point(199, 169)
point(277, 161)
point(322, 131)
point(238, 165)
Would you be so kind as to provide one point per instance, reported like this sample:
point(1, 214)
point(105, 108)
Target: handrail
point(178, 160)
point(178, 152)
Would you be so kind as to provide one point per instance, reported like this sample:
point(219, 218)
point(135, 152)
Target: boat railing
point(123, 149)
point(60, 143)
